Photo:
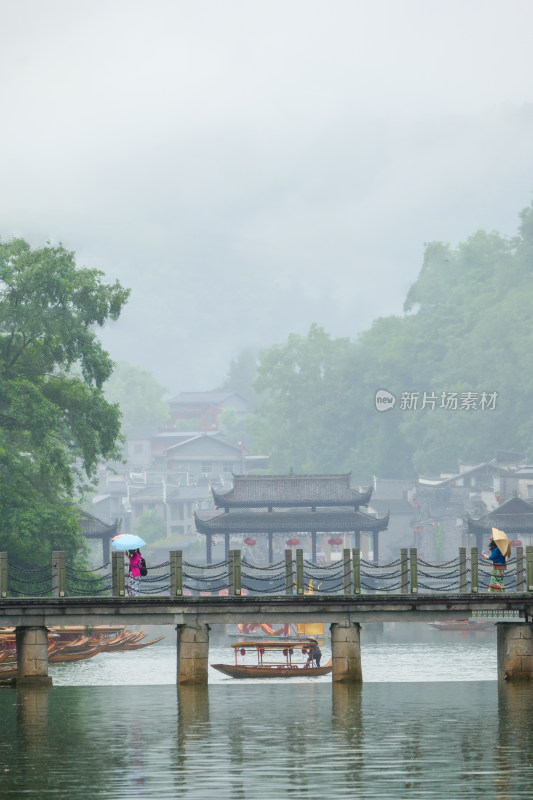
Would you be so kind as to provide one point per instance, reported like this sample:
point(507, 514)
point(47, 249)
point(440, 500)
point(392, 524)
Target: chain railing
point(235, 576)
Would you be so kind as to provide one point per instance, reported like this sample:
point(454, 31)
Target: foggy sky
point(249, 168)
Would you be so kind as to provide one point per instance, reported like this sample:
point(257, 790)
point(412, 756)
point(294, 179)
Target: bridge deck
point(163, 610)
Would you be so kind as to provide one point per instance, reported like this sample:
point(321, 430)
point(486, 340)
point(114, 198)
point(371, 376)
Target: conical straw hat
point(502, 542)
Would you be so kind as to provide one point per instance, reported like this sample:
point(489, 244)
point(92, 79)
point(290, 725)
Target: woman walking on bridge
point(134, 577)
point(500, 550)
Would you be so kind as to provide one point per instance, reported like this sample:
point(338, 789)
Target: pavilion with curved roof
point(270, 505)
point(514, 517)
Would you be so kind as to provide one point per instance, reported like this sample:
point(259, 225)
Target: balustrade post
point(3, 574)
point(299, 571)
point(118, 574)
point(413, 566)
point(529, 568)
point(356, 559)
point(289, 585)
point(474, 570)
point(237, 572)
point(347, 577)
point(404, 571)
point(231, 574)
point(176, 573)
point(519, 569)
point(463, 574)
point(59, 575)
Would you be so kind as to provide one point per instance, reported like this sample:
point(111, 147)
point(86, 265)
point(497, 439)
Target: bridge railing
point(294, 575)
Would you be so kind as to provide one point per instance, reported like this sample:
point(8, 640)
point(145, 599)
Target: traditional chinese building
point(515, 518)
point(281, 505)
point(94, 528)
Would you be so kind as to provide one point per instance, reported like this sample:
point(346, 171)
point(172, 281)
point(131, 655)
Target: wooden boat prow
point(269, 668)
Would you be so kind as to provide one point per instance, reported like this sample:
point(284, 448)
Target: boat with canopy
point(272, 659)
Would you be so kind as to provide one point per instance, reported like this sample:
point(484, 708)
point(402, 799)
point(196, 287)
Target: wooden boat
point(62, 656)
point(138, 645)
point(6, 673)
point(468, 625)
point(274, 660)
point(74, 643)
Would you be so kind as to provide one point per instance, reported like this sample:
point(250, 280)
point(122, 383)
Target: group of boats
point(260, 652)
point(74, 643)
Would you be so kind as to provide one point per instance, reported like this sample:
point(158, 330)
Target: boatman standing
point(315, 653)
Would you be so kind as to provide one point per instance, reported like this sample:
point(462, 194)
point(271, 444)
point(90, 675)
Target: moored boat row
point(74, 643)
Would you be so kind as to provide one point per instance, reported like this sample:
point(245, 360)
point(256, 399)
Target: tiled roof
point(298, 490)
point(291, 522)
point(94, 527)
point(514, 516)
point(508, 523)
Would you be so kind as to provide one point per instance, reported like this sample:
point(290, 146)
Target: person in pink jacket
point(134, 575)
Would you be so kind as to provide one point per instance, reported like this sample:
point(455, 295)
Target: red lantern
point(243, 651)
point(516, 543)
point(293, 542)
point(335, 541)
point(304, 651)
point(250, 542)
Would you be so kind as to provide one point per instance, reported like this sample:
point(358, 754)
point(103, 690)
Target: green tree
point(55, 424)
point(241, 376)
point(297, 421)
point(139, 396)
point(466, 328)
point(150, 526)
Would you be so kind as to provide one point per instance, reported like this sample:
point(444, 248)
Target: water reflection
point(32, 717)
point(235, 741)
point(515, 734)
point(348, 731)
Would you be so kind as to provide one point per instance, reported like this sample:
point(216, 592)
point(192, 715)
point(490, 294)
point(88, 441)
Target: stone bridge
point(343, 610)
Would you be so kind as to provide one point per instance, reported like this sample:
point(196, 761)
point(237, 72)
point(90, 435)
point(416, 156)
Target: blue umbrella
point(127, 541)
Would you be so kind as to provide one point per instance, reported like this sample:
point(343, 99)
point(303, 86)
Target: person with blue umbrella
point(130, 543)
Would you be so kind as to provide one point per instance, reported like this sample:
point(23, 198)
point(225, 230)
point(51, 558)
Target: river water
point(430, 721)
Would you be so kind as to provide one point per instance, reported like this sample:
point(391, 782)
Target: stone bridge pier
point(32, 656)
point(346, 652)
point(193, 653)
point(515, 651)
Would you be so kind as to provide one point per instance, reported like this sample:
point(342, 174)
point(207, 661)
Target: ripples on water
point(429, 722)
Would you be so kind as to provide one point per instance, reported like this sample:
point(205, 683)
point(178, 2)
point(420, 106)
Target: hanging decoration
point(250, 542)
point(293, 542)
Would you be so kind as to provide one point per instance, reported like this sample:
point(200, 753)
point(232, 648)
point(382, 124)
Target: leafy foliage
point(55, 424)
point(241, 376)
point(150, 526)
point(139, 396)
point(466, 328)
